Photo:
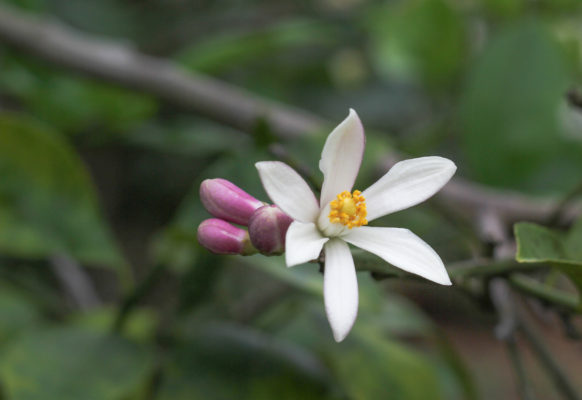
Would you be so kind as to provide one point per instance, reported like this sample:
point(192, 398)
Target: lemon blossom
point(340, 216)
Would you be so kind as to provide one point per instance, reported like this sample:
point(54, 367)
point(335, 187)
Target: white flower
point(339, 217)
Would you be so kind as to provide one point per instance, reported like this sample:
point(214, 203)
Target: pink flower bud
point(267, 229)
point(220, 237)
point(225, 200)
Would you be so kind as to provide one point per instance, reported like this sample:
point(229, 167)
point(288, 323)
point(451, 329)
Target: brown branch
point(473, 199)
point(121, 64)
point(76, 283)
point(510, 206)
point(219, 101)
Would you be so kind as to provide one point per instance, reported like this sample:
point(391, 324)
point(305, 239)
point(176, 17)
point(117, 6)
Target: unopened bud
point(220, 237)
point(225, 200)
point(267, 229)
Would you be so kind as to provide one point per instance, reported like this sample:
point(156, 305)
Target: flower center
point(348, 209)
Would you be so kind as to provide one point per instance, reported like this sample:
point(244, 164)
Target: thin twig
point(135, 296)
point(502, 299)
point(513, 317)
point(489, 267)
point(75, 281)
point(524, 385)
point(471, 198)
point(459, 271)
point(544, 292)
point(492, 231)
point(546, 358)
point(505, 330)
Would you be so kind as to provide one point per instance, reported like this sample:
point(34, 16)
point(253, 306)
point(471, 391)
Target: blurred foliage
point(72, 105)
point(538, 244)
point(47, 201)
point(255, 365)
point(400, 48)
point(88, 168)
point(505, 90)
point(72, 363)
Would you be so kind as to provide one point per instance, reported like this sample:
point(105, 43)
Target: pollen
point(349, 209)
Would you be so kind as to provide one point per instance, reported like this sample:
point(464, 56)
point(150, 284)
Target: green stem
point(457, 271)
point(542, 291)
point(489, 267)
point(133, 298)
point(547, 360)
point(524, 385)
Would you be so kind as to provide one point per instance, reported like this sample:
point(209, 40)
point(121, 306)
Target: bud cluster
point(267, 224)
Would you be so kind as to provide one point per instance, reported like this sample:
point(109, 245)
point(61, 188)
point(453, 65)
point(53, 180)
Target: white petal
point(401, 248)
point(408, 183)
point(340, 288)
point(341, 157)
point(288, 190)
point(303, 243)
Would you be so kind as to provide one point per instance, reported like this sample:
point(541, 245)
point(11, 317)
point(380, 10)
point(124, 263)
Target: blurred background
point(112, 112)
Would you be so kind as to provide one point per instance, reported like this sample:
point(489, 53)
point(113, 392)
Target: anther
point(349, 209)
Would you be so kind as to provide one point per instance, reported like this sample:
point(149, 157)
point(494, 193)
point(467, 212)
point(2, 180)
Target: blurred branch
point(135, 296)
point(492, 231)
point(509, 322)
point(544, 292)
point(482, 267)
point(459, 271)
point(513, 318)
point(546, 358)
point(121, 64)
point(510, 206)
point(75, 281)
point(504, 303)
point(524, 384)
point(219, 101)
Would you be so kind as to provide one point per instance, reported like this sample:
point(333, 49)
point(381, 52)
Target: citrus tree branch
point(121, 64)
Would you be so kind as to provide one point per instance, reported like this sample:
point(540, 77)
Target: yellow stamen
point(349, 209)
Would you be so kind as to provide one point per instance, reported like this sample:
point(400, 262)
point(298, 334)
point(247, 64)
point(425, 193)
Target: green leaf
point(103, 18)
point(139, 327)
point(17, 313)
point(368, 364)
point(231, 362)
point(219, 53)
point(303, 278)
point(73, 364)
point(538, 244)
point(31, 6)
point(421, 40)
point(47, 202)
point(186, 137)
point(73, 104)
point(510, 108)
point(237, 167)
point(505, 8)
point(392, 370)
point(574, 241)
